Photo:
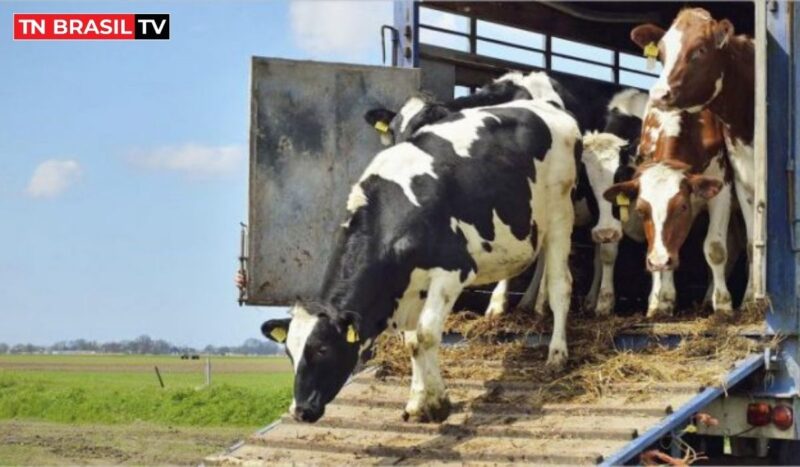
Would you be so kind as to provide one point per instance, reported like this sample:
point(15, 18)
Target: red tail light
point(759, 413)
point(782, 417)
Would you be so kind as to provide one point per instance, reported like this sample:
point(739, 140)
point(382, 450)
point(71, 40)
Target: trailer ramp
point(488, 425)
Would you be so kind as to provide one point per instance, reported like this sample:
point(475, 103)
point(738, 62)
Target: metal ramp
point(490, 424)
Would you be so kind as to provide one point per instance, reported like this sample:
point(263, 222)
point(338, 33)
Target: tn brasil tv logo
point(90, 26)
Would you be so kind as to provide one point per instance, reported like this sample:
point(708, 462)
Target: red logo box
point(90, 26)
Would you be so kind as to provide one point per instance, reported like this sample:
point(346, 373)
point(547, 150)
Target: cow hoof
point(524, 307)
point(494, 310)
point(435, 411)
point(659, 312)
point(589, 303)
point(605, 304)
point(557, 357)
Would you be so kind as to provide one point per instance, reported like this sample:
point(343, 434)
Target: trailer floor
point(506, 407)
point(489, 425)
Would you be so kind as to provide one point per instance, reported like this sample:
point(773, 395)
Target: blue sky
point(123, 165)
point(132, 225)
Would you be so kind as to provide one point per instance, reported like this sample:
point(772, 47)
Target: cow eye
point(699, 52)
point(322, 351)
point(685, 207)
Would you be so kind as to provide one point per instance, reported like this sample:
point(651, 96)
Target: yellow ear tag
point(651, 52)
point(352, 335)
point(279, 334)
point(381, 126)
point(623, 202)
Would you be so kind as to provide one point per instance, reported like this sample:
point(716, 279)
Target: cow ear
point(723, 31)
point(380, 119)
point(349, 324)
point(705, 187)
point(645, 34)
point(627, 190)
point(434, 113)
point(276, 330)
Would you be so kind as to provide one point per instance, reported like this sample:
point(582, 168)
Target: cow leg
point(534, 289)
point(608, 257)
point(590, 302)
point(497, 302)
point(558, 279)
point(715, 247)
point(662, 295)
point(539, 308)
point(428, 401)
point(745, 198)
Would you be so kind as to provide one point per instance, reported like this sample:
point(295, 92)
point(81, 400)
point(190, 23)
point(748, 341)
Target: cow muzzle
point(657, 263)
point(606, 235)
point(661, 97)
point(308, 413)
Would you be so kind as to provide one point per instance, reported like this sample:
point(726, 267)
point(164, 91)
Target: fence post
point(208, 371)
point(158, 373)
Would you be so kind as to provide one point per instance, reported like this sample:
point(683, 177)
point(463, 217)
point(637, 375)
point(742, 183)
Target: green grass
point(123, 389)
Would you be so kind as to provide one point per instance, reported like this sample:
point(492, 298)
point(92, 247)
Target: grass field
point(85, 397)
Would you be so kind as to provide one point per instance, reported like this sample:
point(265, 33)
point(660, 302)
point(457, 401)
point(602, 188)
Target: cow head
point(398, 127)
point(603, 158)
point(661, 193)
point(692, 53)
point(323, 345)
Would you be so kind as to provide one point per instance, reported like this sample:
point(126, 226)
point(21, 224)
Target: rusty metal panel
point(308, 144)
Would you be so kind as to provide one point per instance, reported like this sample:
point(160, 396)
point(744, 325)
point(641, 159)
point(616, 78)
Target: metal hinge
point(243, 264)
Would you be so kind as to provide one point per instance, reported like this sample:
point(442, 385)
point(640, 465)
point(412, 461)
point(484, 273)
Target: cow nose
point(308, 414)
point(607, 235)
point(660, 95)
point(661, 263)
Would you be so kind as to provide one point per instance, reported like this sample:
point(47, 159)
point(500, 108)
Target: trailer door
point(308, 144)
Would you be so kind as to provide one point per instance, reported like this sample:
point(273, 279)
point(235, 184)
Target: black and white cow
point(396, 127)
point(472, 199)
point(418, 111)
point(609, 157)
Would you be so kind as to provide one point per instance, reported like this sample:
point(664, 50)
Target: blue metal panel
point(781, 265)
point(783, 183)
point(682, 415)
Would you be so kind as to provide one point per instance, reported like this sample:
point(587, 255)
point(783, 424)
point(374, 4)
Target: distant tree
point(143, 344)
point(3, 348)
point(26, 348)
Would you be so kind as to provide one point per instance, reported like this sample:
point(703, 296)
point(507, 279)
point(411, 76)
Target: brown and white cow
point(705, 66)
point(686, 170)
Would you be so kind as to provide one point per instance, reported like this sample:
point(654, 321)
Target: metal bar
point(480, 62)
point(395, 43)
point(446, 31)
point(548, 50)
point(759, 256)
point(473, 34)
point(616, 67)
point(509, 44)
point(663, 428)
point(473, 37)
point(639, 72)
point(580, 59)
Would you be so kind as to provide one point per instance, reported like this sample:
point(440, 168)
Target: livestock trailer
point(309, 143)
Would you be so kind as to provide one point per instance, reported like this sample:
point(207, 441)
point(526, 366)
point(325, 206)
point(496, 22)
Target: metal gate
point(308, 144)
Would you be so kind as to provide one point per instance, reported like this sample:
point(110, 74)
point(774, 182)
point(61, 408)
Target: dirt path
point(38, 443)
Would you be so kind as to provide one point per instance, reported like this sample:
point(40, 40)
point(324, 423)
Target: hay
point(709, 348)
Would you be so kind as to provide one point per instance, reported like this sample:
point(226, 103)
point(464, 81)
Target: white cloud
point(192, 159)
point(52, 177)
point(339, 29)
